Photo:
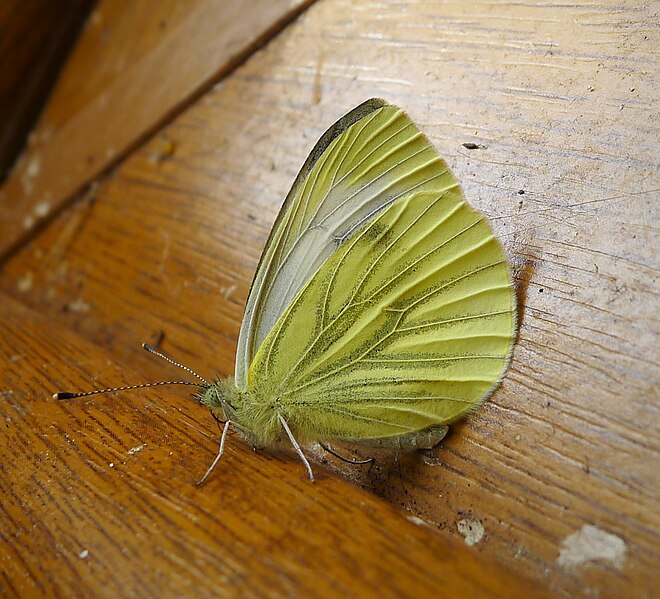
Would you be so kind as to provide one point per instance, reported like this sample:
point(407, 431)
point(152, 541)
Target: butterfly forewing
point(369, 159)
point(410, 322)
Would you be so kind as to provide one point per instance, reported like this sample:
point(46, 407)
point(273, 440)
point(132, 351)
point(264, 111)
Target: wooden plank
point(117, 34)
point(34, 40)
point(98, 500)
point(564, 101)
point(147, 83)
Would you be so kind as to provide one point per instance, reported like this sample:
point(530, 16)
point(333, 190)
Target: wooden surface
point(34, 40)
point(563, 101)
point(99, 499)
point(161, 55)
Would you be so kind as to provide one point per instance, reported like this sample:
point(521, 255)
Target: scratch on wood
point(317, 86)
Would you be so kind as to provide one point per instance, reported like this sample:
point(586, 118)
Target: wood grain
point(141, 84)
point(563, 101)
point(98, 500)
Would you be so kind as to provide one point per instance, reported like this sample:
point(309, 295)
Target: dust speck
point(78, 306)
point(316, 450)
point(227, 291)
point(429, 459)
point(591, 543)
point(137, 448)
point(417, 520)
point(34, 167)
point(25, 282)
point(42, 209)
point(472, 530)
point(83, 554)
point(164, 150)
point(31, 172)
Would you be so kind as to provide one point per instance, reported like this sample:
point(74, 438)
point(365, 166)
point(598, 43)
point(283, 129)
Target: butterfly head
point(222, 397)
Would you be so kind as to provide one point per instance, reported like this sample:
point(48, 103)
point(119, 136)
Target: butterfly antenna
point(151, 350)
point(67, 395)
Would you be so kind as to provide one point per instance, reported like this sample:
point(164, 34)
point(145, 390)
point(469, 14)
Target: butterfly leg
point(225, 430)
point(299, 451)
point(345, 459)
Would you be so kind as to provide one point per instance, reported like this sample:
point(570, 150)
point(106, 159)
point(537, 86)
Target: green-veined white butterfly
point(382, 308)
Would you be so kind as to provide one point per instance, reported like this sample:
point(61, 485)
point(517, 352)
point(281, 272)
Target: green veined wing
point(410, 321)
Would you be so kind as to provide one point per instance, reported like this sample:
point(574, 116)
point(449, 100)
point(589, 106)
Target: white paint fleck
point(83, 554)
point(137, 448)
point(591, 543)
point(472, 530)
point(111, 464)
point(25, 282)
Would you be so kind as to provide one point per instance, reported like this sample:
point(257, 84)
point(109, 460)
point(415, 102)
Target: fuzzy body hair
point(254, 411)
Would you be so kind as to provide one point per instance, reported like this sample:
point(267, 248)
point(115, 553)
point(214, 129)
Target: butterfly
point(382, 309)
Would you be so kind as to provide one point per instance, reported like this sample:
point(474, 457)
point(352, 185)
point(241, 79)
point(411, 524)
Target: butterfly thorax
point(254, 413)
